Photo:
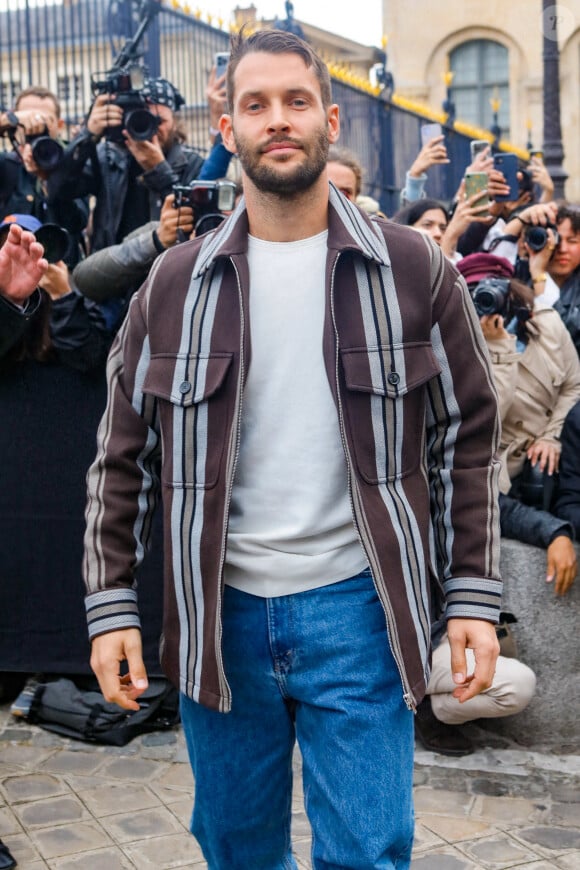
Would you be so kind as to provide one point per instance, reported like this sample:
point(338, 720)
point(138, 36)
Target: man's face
point(45, 107)
point(279, 127)
point(166, 129)
point(566, 257)
point(342, 177)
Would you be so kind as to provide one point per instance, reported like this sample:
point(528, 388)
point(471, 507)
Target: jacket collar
point(349, 229)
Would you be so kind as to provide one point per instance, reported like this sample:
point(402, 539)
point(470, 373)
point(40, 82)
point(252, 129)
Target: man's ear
point(227, 131)
point(333, 115)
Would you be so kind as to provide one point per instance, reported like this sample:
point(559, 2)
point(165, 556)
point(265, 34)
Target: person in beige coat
point(537, 376)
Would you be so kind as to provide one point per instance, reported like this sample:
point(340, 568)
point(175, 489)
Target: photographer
point(34, 128)
point(118, 270)
point(47, 321)
point(129, 176)
point(537, 376)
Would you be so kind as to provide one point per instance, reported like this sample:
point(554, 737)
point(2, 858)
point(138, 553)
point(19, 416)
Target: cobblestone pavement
point(65, 804)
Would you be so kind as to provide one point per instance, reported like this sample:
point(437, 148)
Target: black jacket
point(22, 193)
point(103, 170)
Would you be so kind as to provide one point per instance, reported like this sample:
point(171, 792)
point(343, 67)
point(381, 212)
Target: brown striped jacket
point(417, 412)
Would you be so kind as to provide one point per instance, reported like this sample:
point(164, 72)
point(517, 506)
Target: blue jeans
point(315, 666)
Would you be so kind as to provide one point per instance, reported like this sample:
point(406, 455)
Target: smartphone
point(508, 164)
point(538, 154)
point(428, 132)
point(476, 146)
point(474, 182)
point(221, 60)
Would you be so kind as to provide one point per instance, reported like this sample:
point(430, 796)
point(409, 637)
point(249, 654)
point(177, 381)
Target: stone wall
point(548, 637)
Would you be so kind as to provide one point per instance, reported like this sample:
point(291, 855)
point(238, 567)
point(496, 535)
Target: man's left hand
point(480, 636)
point(148, 152)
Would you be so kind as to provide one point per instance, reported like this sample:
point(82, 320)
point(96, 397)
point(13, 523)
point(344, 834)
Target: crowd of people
point(490, 283)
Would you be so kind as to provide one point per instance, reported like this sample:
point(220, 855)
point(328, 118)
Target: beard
point(285, 184)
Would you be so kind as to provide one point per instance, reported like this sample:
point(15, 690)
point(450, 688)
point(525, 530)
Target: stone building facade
point(494, 50)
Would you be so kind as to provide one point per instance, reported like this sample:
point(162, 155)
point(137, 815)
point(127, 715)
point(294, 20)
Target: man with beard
point(129, 177)
point(309, 392)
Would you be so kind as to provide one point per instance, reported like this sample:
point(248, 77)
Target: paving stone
point(442, 861)
point(103, 859)
point(501, 809)
point(170, 795)
point(159, 738)
point(566, 793)
point(8, 822)
point(55, 811)
point(499, 852)
point(563, 814)
point(132, 769)
point(32, 786)
point(441, 802)
point(182, 811)
point(73, 762)
point(556, 839)
point(491, 787)
point(24, 851)
point(177, 776)
point(160, 853)
point(109, 798)
point(425, 839)
point(569, 862)
point(454, 830)
point(69, 839)
point(300, 825)
point(25, 757)
point(16, 734)
point(129, 827)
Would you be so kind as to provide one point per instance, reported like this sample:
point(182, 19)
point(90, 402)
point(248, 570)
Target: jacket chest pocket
point(385, 407)
point(195, 414)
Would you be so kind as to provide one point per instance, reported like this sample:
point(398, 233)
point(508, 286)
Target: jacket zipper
point(384, 598)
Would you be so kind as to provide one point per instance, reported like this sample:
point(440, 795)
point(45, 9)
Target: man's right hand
point(22, 265)
point(104, 113)
point(107, 653)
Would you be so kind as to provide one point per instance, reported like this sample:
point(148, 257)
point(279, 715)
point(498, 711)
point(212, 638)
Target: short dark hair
point(348, 158)
point(571, 212)
point(42, 93)
point(414, 211)
point(275, 42)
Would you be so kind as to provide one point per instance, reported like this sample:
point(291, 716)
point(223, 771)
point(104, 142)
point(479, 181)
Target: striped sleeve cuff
point(112, 610)
point(473, 598)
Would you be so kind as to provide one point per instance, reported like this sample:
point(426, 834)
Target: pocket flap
point(186, 380)
point(388, 371)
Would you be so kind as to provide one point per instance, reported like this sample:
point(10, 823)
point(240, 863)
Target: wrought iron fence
point(61, 44)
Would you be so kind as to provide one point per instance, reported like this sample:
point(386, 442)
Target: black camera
point(537, 237)
point(54, 239)
point(128, 84)
point(208, 200)
point(490, 296)
point(46, 151)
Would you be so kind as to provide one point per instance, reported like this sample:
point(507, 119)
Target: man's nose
point(278, 118)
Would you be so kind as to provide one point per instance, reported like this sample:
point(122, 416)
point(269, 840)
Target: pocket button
point(393, 378)
point(184, 387)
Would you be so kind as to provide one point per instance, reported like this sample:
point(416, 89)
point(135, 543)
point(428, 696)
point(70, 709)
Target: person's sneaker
point(20, 707)
point(436, 736)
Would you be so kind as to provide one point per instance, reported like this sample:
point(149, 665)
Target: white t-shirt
point(290, 524)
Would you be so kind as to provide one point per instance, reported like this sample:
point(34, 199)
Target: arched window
point(481, 74)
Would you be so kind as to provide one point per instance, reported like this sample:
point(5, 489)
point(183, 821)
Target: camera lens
point(141, 124)
point(46, 152)
point(537, 238)
point(55, 241)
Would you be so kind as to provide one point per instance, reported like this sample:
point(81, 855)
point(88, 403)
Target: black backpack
point(83, 714)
